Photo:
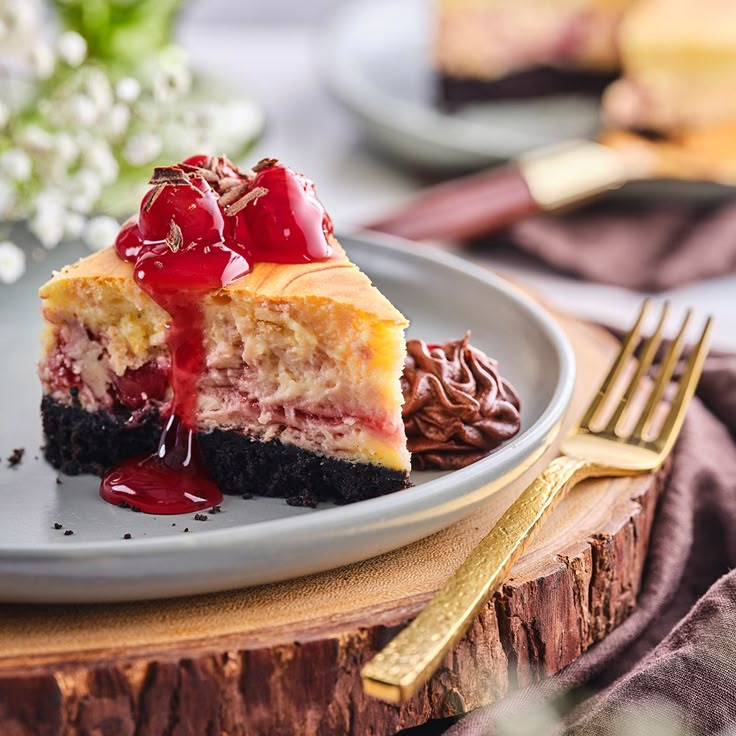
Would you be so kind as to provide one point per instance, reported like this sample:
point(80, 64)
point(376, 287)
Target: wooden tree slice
point(285, 658)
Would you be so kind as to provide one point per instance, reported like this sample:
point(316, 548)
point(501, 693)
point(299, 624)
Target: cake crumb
point(16, 457)
point(186, 528)
point(68, 533)
point(174, 524)
point(247, 496)
point(59, 481)
point(58, 526)
point(200, 517)
point(127, 536)
point(215, 509)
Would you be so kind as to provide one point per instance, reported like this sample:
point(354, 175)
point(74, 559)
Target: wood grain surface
point(285, 658)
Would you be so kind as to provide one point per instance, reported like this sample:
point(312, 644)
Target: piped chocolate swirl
point(457, 407)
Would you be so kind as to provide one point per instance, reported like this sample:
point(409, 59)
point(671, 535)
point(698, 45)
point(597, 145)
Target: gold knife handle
point(412, 657)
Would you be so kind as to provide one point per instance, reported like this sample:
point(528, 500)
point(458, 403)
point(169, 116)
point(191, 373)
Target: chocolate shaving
point(171, 175)
point(227, 183)
point(234, 193)
point(265, 163)
point(152, 196)
point(207, 174)
point(251, 196)
point(175, 238)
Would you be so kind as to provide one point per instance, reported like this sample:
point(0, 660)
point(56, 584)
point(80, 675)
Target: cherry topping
point(136, 387)
point(193, 208)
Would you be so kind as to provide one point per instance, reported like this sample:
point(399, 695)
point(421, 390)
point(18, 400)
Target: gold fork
point(412, 657)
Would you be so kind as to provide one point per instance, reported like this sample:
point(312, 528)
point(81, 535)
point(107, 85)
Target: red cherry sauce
point(199, 229)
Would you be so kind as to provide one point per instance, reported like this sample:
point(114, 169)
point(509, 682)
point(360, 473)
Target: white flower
point(65, 148)
point(99, 158)
point(97, 88)
point(142, 148)
point(84, 191)
point(73, 225)
point(36, 139)
point(171, 82)
point(83, 110)
point(43, 60)
point(100, 232)
point(12, 262)
point(4, 114)
point(128, 89)
point(16, 18)
point(117, 119)
point(71, 47)
point(15, 164)
point(47, 224)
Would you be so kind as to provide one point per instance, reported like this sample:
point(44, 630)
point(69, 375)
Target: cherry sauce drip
point(189, 239)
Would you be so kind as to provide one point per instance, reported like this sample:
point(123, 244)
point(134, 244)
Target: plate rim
point(371, 511)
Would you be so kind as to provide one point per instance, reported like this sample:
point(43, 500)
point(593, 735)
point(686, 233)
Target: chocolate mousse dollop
point(457, 407)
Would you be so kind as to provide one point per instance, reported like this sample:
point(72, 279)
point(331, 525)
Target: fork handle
point(412, 657)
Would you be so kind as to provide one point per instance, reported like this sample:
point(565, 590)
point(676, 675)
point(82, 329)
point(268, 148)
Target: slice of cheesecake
point(517, 48)
point(679, 64)
point(296, 393)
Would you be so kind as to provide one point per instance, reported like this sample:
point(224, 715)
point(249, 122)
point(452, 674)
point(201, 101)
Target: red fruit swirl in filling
point(201, 227)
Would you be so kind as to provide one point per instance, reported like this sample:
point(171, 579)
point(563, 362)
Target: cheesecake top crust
point(336, 279)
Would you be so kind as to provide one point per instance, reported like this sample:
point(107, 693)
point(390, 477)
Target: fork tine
point(627, 350)
point(685, 390)
point(645, 362)
point(665, 374)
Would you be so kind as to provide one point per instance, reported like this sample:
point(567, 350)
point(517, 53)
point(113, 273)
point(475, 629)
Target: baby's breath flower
point(74, 224)
point(15, 164)
point(128, 89)
point(16, 18)
point(83, 110)
point(65, 148)
point(116, 120)
point(43, 60)
point(35, 139)
point(47, 224)
point(84, 191)
point(171, 82)
point(98, 157)
point(142, 148)
point(97, 87)
point(71, 47)
point(100, 232)
point(12, 262)
point(4, 114)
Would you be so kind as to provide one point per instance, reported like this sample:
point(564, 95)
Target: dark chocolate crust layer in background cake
point(78, 441)
point(456, 92)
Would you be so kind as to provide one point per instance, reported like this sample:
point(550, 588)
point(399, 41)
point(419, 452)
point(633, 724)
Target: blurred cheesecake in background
point(520, 48)
point(678, 61)
point(662, 65)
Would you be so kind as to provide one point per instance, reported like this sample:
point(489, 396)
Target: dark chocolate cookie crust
point(78, 441)
point(456, 92)
point(240, 464)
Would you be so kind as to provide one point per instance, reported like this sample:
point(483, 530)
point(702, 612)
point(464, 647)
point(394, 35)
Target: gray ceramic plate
point(263, 540)
point(376, 61)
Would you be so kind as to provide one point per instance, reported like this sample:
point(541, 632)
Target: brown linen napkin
point(670, 668)
point(641, 247)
